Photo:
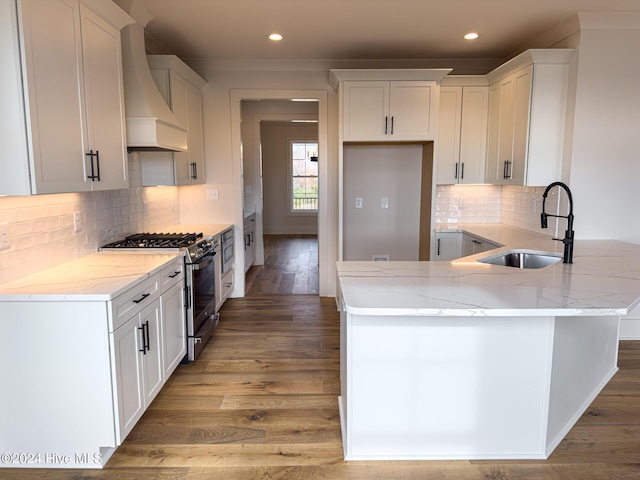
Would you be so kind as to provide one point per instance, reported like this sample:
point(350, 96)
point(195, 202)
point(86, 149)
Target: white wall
point(221, 104)
point(605, 166)
point(372, 172)
point(275, 139)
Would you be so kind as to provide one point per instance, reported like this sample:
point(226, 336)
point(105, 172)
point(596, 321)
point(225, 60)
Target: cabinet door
point(467, 245)
point(180, 108)
point(505, 142)
point(366, 111)
point(55, 94)
point(410, 110)
point(448, 246)
point(150, 321)
point(493, 135)
point(196, 136)
point(126, 345)
point(500, 139)
point(449, 123)
point(102, 63)
point(174, 328)
point(521, 110)
point(473, 134)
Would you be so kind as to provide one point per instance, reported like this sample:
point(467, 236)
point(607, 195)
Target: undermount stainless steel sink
point(522, 259)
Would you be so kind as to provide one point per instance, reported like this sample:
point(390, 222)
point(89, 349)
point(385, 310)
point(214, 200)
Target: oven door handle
point(206, 263)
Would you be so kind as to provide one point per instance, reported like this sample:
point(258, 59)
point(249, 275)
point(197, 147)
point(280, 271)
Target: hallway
point(290, 267)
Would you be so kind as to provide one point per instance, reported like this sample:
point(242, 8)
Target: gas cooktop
point(156, 240)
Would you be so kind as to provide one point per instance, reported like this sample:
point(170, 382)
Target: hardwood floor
point(261, 403)
point(290, 266)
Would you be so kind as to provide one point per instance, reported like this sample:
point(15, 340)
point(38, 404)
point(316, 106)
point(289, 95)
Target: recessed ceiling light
point(471, 36)
point(276, 37)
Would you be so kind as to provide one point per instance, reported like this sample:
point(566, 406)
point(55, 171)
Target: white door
point(104, 102)
point(410, 110)
point(366, 111)
point(174, 328)
point(55, 94)
point(126, 343)
point(152, 356)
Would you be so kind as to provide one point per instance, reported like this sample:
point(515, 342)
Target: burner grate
point(156, 240)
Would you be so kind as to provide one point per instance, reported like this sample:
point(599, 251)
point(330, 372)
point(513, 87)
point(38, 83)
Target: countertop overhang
point(603, 280)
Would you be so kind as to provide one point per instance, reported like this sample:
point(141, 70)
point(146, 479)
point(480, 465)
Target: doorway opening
point(280, 184)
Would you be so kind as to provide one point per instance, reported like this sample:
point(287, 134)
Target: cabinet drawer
point(227, 284)
point(172, 273)
point(124, 306)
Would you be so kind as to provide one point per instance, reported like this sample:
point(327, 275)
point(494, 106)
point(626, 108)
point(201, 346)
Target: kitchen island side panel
point(446, 387)
point(56, 381)
point(585, 355)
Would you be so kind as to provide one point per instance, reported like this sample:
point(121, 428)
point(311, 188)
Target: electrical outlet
point(385, 202)
point(212, 194)
point(77, 222)
point(358, 202)
point(535, 205)
point(5, 237)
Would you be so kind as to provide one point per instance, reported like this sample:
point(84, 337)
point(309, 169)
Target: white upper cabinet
point(527, 111)
point(181, 88)
point(462, 134)
point(388, 111)
point(388, 105)
point(70, 97)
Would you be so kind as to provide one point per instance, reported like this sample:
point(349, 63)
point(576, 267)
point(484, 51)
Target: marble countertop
point(99, 276)
point(603, 280)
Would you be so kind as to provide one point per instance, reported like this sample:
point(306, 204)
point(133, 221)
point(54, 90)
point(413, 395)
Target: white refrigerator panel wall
point(386, 222)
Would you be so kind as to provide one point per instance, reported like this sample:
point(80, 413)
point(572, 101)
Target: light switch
point(385, 202)
point(358, 202)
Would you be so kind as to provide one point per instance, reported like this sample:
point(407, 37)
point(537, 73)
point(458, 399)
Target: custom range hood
point(151, 125)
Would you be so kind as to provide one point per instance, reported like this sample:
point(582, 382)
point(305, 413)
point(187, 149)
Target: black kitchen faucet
point(568, 234)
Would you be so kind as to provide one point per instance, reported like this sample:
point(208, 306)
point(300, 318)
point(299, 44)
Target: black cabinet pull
point(438, 252)
point(148, 346)
point(95, 173)
point(476, 242)
point(462, 172)
point(456, 175)
point(175, 274)
point(144, 295)
point(144, 347)
point(506, 170)
point(386, 122)
point(98, 163)
point(392, 125)
point(194, 170)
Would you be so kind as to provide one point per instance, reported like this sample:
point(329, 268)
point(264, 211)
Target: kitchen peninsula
point(466, 360)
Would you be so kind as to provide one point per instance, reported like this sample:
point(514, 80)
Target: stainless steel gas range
point(200, 256)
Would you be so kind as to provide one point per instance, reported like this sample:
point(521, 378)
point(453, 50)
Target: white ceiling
point(360, 29)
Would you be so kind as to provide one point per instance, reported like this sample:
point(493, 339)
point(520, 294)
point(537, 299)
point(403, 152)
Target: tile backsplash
point(468, 204)
point(41, 227)
point(515, 206)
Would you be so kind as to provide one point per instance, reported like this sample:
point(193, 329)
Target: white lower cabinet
point(472, 245)
point(448, 246)
point(174, 328)
point(87, 368)
point(137, 357)
point(452, 245)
